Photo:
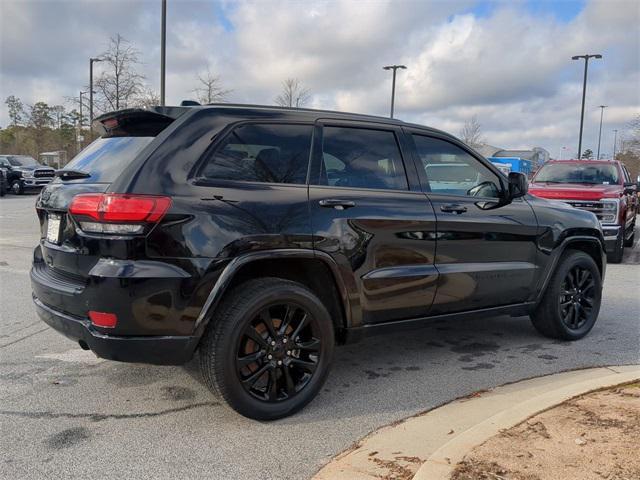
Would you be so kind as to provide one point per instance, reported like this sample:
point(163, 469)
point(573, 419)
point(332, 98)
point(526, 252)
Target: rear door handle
point(453, 208)
point(337, 203)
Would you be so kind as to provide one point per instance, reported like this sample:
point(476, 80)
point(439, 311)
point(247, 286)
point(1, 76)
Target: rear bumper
point(158, 350)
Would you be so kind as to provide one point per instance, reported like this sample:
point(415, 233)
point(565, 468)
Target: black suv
point(263, 236)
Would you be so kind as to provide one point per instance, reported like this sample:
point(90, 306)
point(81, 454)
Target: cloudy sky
point(507, 62)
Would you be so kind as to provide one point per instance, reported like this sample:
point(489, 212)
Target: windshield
point(596, 174)
point(22, 161)
point(106, 158)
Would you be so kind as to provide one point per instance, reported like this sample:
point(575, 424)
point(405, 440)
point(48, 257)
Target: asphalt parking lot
point(66, 414)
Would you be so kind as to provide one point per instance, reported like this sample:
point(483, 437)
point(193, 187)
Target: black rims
point(278, 352)
point(577, 297)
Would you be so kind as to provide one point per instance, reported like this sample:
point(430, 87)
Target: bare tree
point(209, 89)
point(119, 84)
point(293, 94)
point(471, 132)
point(147, 98)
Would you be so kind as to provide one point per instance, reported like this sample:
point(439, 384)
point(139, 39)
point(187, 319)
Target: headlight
point(609, 210)
point(27, 173)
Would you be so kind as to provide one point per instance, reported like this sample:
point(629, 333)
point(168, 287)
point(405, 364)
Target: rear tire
point(274, 326)
point(570, 305)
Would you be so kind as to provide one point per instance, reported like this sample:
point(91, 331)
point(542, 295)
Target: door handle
point(453, 208)
point(337, 203)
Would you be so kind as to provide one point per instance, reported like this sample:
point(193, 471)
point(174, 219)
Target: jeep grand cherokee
point(262, 236)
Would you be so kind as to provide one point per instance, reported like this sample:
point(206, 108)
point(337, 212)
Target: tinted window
point(584, 173)
point(106, 158)
point(262, 153)
point(361, 158)
point(451, 170)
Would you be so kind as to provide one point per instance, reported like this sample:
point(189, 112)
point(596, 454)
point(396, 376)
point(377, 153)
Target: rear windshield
point(595, 174)
point(106, 158)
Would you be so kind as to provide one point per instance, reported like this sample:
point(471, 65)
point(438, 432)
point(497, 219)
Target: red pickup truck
point(603, 187)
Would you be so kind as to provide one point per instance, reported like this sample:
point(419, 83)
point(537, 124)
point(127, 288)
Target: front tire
point(618, 251)
point(268, 348)
point(570, 305)
point(17, 188)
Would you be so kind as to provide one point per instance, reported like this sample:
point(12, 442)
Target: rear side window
point(267, 153)
point(106, 158)
point(361, 158)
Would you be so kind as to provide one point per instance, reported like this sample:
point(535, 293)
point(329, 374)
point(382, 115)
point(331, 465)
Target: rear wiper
point(71, 174)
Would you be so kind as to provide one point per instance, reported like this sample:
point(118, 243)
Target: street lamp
point(602, 107)
point(615, 141)
point(79, 137)
point(81, 117)
point(163, 50)
point(584, 92)
point(393, 83)
point(91, 61)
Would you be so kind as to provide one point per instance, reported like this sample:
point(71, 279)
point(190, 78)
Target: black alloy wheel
point(268, 347)
point(278, 352)
point(577, 297)
point(570, 304)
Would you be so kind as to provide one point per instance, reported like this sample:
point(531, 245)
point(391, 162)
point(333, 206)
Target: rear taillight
point(116, 213)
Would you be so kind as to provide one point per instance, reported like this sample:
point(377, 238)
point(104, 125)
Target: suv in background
point(263, 236)
point(603, 187)
point(25, 173)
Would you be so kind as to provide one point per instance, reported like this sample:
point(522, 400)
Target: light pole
point(163, 52)
point(79, 137)
point(393, 83)
point(584, 93)
point(91, 61)
point(615, 141)
point(602, 107)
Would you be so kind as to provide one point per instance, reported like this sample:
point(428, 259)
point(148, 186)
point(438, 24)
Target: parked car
point(263, 236)
point(25, 173)
point(602, 187)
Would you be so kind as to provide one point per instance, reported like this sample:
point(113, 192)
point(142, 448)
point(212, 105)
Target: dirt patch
point(592, 437)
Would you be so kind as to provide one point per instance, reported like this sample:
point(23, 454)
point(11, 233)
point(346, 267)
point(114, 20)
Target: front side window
point(267, 153)
point(361, 158)
point(452, 171)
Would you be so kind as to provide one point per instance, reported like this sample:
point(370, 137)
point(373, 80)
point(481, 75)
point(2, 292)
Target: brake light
point(118, 213)
point(102, 319)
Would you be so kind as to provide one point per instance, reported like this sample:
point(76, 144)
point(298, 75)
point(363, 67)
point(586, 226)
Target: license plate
point(53, 228)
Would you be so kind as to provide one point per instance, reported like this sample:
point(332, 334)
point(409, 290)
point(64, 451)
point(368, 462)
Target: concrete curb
point(431, 444)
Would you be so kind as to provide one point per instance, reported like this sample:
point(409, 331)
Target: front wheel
point(17, 188)
point(569, 307)
point(618, 251)
point(268, 349)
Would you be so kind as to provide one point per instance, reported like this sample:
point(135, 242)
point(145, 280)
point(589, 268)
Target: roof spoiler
point(136, 122)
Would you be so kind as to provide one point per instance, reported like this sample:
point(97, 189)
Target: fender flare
point(230, 270)
point(560, 249)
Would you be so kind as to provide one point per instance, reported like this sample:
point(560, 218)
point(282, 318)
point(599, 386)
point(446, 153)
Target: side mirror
point(518, 185)
point(630, 187)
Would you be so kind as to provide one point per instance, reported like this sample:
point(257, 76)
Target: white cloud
point(510, 67)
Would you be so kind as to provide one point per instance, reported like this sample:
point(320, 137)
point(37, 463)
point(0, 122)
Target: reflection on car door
point(377, 229)
point(484, 251)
